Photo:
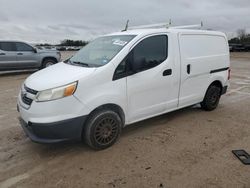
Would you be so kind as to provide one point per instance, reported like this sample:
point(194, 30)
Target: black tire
point(48, 62)
point(212, 98)
point(102, 129)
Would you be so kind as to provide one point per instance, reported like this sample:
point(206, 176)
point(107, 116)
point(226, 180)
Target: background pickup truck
point(16, 55)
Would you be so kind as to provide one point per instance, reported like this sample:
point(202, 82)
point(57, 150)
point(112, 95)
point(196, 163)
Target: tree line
point(242, 37)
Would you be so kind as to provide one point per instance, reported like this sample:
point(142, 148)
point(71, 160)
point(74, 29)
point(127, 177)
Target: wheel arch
point(111, 106)
point(49, 57)
point(216, 83)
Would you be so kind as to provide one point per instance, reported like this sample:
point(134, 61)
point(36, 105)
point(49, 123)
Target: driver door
point(151, 87)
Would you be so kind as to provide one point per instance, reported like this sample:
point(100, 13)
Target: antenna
point(126, 26)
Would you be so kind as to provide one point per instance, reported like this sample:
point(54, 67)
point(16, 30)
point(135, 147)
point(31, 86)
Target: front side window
point(149, 53)
point(23, 47)
point(7, 46)
point(100, 51)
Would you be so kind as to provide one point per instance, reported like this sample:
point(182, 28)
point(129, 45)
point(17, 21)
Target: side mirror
point(34, 50)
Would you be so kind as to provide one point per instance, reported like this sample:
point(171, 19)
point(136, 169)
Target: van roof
point(166, 30)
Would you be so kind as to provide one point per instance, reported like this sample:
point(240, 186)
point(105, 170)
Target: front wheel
point(102, 129)
point(48, 62)
point(212, 98)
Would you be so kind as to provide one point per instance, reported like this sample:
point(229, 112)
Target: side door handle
point(188, 68)
point(19, 53)
point(2, 53)
point(167, 72)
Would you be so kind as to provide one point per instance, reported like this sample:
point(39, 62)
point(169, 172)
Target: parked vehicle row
point(68, 48)
point(239, 47)
point(15, 55)
point(60, 48)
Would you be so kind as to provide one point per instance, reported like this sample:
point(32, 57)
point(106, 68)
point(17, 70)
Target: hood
point(57, 75)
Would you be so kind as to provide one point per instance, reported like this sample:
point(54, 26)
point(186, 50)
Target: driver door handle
point(2, 53)
point(19, 53)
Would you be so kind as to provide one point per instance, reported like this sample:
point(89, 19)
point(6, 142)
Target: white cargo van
point(122, 78)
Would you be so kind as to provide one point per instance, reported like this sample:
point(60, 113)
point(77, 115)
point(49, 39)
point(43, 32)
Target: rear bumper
point(70, 129)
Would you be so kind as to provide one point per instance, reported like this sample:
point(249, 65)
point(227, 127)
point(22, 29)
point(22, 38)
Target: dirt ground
point(186, 148)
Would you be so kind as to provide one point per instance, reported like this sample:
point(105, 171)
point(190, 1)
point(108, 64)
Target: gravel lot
point(186, 148)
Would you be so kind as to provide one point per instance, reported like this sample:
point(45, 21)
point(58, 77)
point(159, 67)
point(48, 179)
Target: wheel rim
point(214, 97)
point(49, 64)
point(106, 131)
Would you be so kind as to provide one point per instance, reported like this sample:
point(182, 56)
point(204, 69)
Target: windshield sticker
point(119, 42)
point(104, 61)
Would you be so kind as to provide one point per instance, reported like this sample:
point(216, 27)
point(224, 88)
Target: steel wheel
point(212, 98)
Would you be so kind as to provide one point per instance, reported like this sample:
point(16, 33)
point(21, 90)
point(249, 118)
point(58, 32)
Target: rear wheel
point(47, 63)
point(212, 98)
point(102, 129)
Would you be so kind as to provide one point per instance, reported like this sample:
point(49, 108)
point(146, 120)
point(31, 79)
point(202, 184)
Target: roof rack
point(198, 26)
point(162, 25)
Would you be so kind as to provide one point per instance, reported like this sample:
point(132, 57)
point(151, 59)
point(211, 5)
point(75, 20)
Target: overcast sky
point(55, 20)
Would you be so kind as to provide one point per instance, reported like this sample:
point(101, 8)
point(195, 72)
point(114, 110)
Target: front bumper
point(70, 129)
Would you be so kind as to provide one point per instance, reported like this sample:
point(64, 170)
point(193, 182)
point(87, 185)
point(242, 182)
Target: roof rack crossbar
point(159, 25)
point(162, 25)
point(198, 26)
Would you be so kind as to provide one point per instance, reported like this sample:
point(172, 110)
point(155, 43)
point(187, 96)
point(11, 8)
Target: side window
point(149, 53)
point(7, 46)
point(23, 47)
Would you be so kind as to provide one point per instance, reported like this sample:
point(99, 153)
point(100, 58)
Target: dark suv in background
point(15, 55)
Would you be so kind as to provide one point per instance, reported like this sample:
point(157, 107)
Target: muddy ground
point(186, 148)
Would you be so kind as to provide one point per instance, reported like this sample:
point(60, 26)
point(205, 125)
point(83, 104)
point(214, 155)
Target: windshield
point(100, 51)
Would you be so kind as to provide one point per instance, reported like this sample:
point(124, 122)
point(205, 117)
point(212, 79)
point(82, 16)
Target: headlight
point(56, 93)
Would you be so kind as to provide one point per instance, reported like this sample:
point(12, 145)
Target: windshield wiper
point(78, 63)
point(81, 63)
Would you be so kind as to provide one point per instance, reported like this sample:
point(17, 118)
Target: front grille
point(29, 90)
point(28, 95)
point(26, 100)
